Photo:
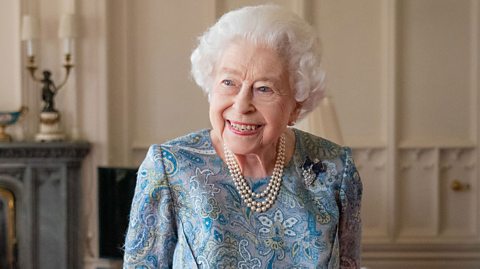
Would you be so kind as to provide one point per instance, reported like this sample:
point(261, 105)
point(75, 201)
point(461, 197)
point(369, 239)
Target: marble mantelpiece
point(45, 180)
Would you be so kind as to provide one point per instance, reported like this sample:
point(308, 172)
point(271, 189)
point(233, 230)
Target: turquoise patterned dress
point(186, 212)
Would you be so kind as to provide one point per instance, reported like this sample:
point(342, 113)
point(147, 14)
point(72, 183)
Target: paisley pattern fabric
point(186, 212)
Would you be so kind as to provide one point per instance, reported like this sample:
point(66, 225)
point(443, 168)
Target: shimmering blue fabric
point(186, 212)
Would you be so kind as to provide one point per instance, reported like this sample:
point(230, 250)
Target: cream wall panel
point(299, 6)
point(456, 218)
point(434, 81)
point(10, 70)
point(226, 5)
point(164, 101)
point(371, 164)
point(88, 104)
point(118, 87)
point(418, 192)
point(352, 38)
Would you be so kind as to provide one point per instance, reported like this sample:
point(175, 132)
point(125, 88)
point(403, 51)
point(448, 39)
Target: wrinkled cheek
point(288, 111)
point(213, 117)
point(216, 119)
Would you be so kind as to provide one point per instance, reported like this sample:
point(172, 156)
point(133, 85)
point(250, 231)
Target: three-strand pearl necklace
point(259, 202)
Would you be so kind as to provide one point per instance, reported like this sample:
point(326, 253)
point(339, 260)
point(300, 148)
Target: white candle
point(29, 48)
point(67, 46)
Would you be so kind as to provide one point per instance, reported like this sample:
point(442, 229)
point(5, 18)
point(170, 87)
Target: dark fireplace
point(7, 229)
point(116, 187)
point(40, 205)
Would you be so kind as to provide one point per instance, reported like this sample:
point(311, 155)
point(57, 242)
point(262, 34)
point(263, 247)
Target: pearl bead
point(243, 187)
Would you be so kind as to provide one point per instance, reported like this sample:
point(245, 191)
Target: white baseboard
point(102, 264)
point(421, 264)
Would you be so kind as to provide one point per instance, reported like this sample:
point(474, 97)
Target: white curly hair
point(277, 28)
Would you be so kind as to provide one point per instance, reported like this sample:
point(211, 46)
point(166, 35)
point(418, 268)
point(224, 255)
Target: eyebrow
point(238, 73)
point(230, 71)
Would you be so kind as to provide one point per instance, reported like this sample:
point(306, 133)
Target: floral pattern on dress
point(187, 213)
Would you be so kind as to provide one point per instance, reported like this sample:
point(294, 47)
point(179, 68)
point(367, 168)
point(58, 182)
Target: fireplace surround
point(7, 229)
point(44, 180)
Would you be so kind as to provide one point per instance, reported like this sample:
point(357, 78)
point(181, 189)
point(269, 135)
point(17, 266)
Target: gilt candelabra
point(50, 129)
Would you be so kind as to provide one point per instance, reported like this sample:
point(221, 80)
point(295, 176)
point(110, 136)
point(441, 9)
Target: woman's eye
point(264, 89)
point(227, 82)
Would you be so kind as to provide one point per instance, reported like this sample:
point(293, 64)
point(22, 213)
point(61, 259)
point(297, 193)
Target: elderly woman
point(251, 192)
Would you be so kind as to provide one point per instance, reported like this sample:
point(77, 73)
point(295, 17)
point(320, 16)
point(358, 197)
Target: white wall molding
point(389, 62)
point(476, 103)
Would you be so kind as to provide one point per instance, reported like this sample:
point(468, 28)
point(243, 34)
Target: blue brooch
point(311, 169)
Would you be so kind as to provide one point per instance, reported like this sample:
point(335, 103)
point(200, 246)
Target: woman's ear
point(294, 115)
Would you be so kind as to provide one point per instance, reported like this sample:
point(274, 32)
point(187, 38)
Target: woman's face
point(251, 101)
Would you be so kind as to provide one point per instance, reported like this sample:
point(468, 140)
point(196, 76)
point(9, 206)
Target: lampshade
point(30, 27)
point(325, 121)
point(67, 27)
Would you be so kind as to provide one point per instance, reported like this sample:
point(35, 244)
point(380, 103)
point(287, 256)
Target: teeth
point(241, 127)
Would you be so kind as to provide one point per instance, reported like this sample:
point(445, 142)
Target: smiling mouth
point(242, 127)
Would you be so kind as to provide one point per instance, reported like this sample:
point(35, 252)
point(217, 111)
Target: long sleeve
point(151, 236)
point(350, 223)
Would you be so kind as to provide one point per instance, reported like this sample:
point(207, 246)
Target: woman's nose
point(243, 100)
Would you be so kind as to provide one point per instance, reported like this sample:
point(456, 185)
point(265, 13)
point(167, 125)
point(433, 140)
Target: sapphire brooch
point(311, 169)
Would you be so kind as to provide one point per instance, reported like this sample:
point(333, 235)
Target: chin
point(241, 145)
point(241, 149)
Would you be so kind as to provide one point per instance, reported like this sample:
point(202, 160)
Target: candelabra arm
point(68, 67)
point(32, 67)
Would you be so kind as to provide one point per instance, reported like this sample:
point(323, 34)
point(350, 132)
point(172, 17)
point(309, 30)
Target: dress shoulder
point(199, 140)
point(181, 154)
point(318, 147)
